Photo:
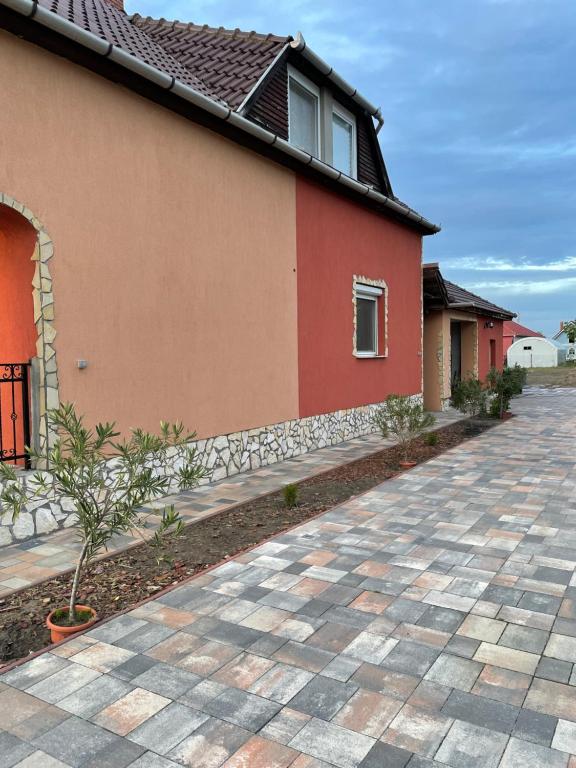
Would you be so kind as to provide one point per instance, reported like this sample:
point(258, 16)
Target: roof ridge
point(223, 31)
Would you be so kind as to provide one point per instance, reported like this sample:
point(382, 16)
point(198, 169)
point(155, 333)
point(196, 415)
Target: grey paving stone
point(202, 693)
point(266, 645)
point(145, 637)
point(304, 656)
point(454, 672)
point(348, 616)
point(478, 710)
point(533, 726)
point(152, 760)
point(341, 668)
point(13, 750)
point(554, 669)
point(34, 671)
point(61, 684)
point(470, 746)
point(75, 741)
point(114, 630)
point(210, 744)
point(242, 708)
point(233, 634)
point(315, 608)
point(462, 646)
point(503, 595)
point(167, 728)
point(441, 619)
point(323, 697)
point(536, 601)
point(337, 746)
point(385, 756)
point(166, 680)
point(411, 658)
point(552, 575)
point(408, 611)
point(133, 667)
point(122, 755)
point(91, 698)
point(524, 638)
point(520, 754)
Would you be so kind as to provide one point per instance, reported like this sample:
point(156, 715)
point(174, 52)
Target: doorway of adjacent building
point(455, 351)
point(17, 332)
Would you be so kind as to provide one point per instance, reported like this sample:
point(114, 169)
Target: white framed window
point(367, 301)
point(344, 141)
point(303, 113)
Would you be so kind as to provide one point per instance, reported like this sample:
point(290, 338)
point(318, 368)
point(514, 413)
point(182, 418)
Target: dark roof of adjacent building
point(512, 328)
point(230, 62)
point(440, 293)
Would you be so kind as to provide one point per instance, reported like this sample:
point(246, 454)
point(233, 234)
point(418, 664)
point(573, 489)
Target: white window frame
point(372, 293)
point(314, 90)
point(348, 117)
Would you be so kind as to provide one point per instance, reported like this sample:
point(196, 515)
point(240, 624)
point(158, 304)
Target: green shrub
point(403, 419)
point(105, 479)
point(469, 396)
point(290, 494)
point(503, 386)
point(431, 438)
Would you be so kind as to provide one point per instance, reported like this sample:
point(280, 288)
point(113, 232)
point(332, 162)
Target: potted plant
point(107, 480)
point(405, 420)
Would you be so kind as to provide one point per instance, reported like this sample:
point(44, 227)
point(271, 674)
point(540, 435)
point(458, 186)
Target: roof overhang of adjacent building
point(439, 293)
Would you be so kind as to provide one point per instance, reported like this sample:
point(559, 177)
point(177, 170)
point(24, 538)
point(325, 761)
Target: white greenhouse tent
point(536, 352)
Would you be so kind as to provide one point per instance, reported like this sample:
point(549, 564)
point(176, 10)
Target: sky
point(479, 101)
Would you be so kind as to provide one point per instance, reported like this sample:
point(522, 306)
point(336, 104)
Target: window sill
point(369, 357)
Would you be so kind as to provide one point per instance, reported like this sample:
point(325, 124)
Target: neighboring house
point(213, 232)
point(463, 336)
point(514, 331)
point(562, 336)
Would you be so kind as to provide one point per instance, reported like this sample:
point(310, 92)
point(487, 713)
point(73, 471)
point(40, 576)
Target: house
point(463, 336)
point(199, 226)
point(562, 336)
point(514, 331)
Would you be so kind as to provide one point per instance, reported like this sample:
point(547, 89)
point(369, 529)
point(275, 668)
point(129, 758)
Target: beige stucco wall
point(174, 251)
point(437, 354)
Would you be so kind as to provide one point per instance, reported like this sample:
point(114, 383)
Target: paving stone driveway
point(430, 622)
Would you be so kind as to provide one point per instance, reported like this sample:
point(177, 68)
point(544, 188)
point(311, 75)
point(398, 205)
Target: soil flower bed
point(122, 581)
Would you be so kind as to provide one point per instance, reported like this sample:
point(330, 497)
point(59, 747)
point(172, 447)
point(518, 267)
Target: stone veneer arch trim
point(45, 392)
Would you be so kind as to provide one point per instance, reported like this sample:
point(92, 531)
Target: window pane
point(342, 145)
point(365, 325)
point(303, 119)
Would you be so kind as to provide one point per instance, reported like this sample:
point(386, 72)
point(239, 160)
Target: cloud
point(483, 263)
point(533, 288)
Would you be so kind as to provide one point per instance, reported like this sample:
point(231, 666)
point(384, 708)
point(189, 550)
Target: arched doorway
point(26, 327)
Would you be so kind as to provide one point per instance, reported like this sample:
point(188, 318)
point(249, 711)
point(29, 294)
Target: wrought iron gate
point(14, 413)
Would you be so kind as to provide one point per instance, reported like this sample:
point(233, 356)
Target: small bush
point(469, 396)
point(431, 438)
point(290, 493)
point(403, 419)
point(504, 385)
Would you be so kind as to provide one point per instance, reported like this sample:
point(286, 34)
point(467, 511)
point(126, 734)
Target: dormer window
point(320, 125)
point(304, 113)
point(343, 140)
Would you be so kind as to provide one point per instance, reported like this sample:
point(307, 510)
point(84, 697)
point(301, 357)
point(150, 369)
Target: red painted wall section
point(17, 330)
point(337, 239)
point(484, 336)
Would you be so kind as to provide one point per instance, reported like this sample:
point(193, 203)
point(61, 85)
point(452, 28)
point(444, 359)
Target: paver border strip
point(165, 590)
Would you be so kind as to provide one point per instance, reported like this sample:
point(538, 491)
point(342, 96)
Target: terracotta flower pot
point(407, 464)
point(58, 633)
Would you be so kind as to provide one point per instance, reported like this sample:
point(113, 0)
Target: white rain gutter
point(300, 45)
point(31, 9)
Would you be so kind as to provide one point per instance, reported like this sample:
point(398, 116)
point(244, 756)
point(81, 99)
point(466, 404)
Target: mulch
point(121, 581)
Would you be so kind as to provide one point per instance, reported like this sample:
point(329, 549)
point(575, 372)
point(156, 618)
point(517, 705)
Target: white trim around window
point(313, 90)
point(347, 117)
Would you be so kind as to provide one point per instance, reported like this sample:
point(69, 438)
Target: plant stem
point(75, 583)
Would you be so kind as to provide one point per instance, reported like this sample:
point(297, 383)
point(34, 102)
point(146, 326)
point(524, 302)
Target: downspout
point(31, 9)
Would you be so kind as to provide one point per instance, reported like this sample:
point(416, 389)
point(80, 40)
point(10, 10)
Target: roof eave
point(30, 9)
